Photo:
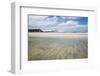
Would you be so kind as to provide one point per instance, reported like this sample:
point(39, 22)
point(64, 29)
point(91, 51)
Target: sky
point(70, 24)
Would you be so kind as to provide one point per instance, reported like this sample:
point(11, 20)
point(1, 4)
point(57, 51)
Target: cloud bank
point(59, 23)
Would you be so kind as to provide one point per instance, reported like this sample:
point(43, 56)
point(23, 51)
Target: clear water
point(40, 46)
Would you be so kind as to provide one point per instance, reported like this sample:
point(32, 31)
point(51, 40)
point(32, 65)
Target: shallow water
point(45, 48)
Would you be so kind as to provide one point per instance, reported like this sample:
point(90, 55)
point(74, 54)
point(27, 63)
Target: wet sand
point(50, 46)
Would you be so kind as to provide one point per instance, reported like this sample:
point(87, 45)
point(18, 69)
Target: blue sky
point(66, 24)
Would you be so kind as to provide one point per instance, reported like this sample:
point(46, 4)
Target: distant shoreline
point(57, 33)
point(66, 35)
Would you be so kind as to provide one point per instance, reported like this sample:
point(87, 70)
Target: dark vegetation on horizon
point(40, 30)
point(35, 30)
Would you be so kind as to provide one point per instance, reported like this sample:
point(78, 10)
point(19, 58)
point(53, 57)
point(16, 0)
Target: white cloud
point(36, 20)
point(38, 17)
point(72, 17)
point(71, 22)
point(52, 21)
point(73, 28)
point(41, 21)
point(67, 24)
point(69, 17)
point(70, 26)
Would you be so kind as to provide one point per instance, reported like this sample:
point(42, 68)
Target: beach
point(50, 46)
